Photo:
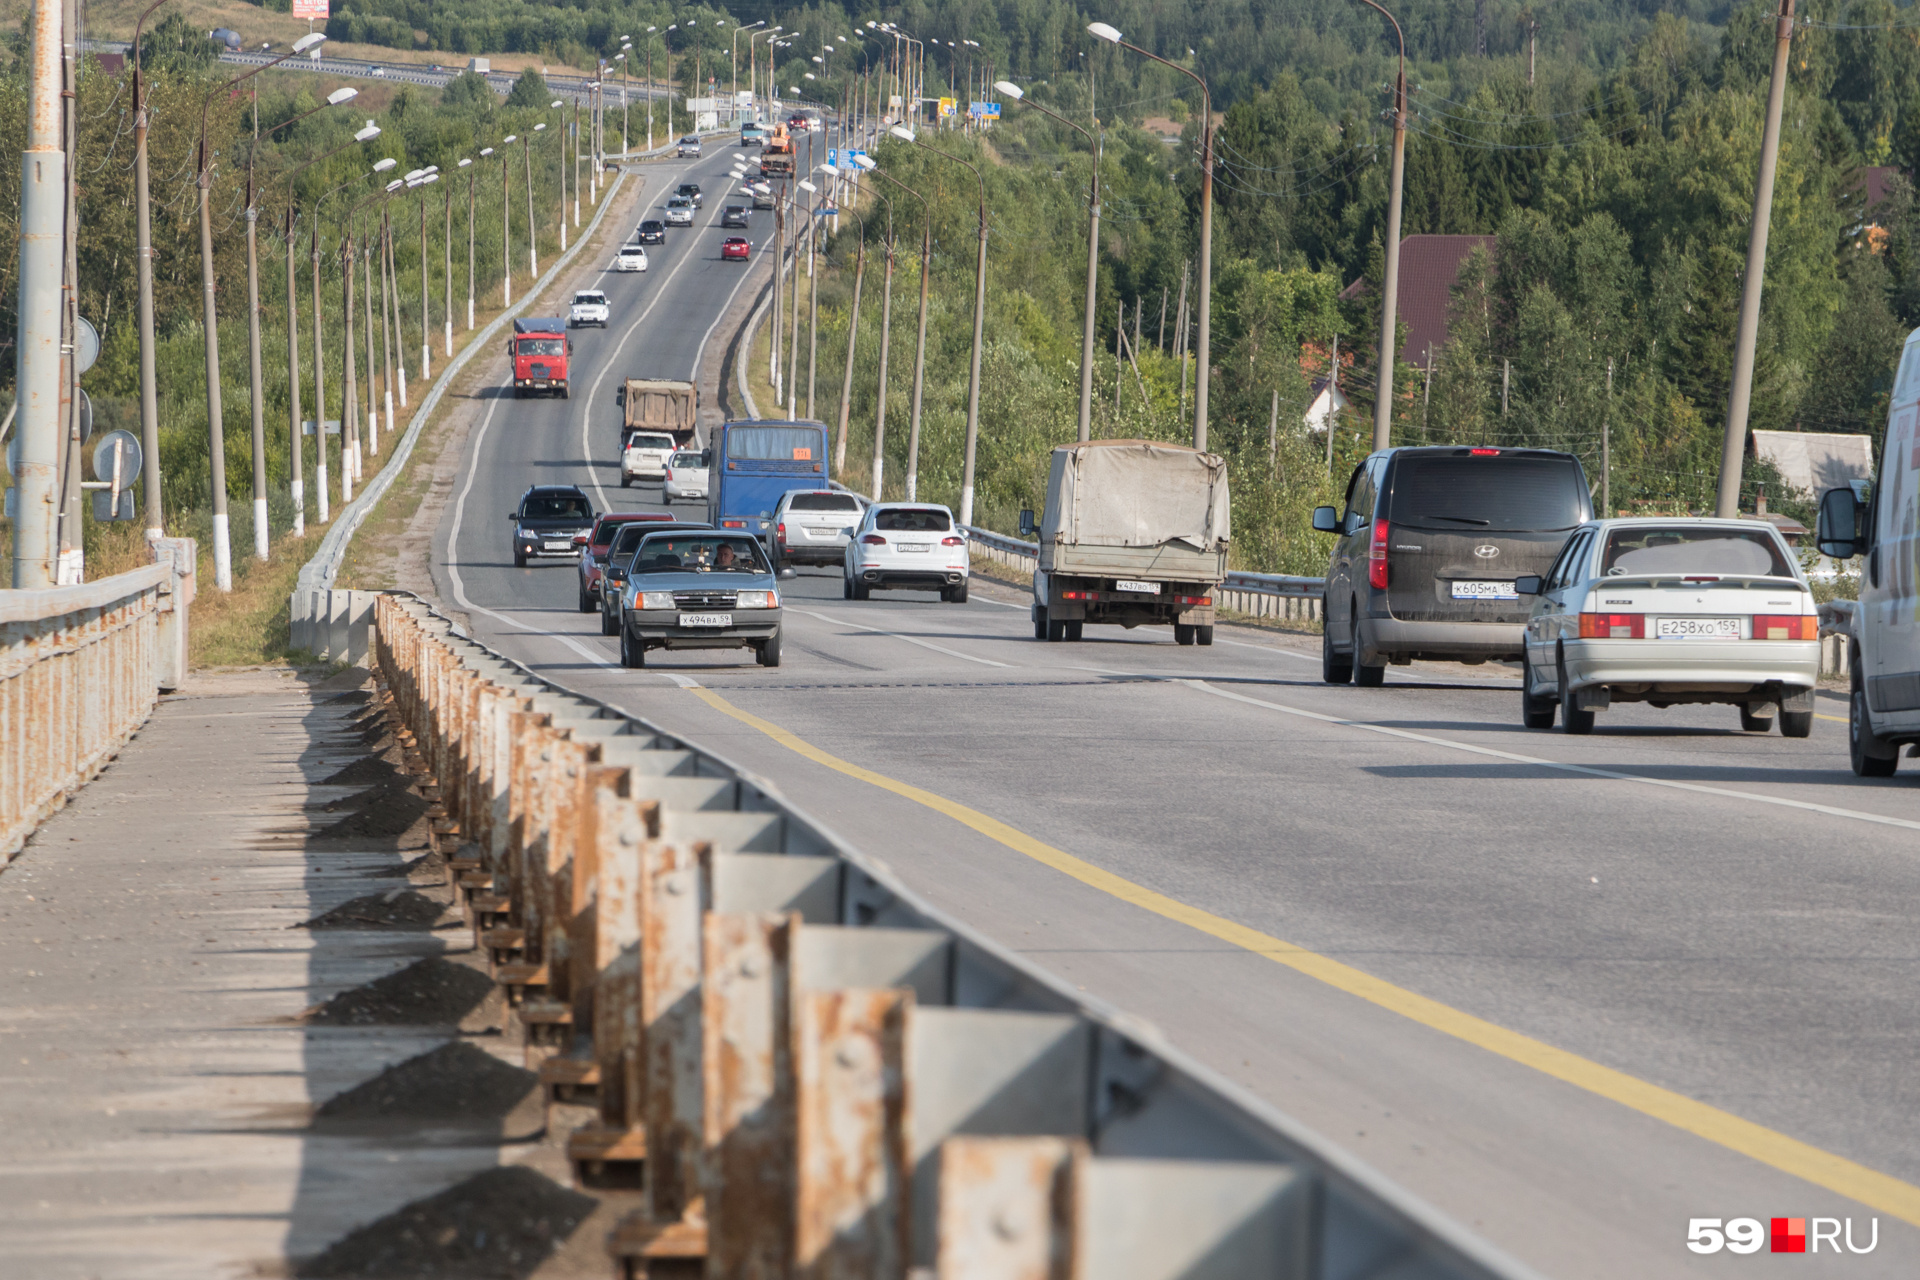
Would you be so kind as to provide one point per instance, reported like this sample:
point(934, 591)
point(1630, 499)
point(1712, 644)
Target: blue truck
point(754, 463)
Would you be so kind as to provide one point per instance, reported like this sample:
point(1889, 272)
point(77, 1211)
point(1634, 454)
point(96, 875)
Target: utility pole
point(71, 568)
point(37, 369)
point(853, 335)
point(296, 445)
point(1390, 286)
point(320, 390)
point(886, 335)
point(1740, 396)
point(149, 377)
point(1606, 450)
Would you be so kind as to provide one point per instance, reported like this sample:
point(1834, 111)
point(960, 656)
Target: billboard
point(946, 107)
point(984, 110)
point(315, 10)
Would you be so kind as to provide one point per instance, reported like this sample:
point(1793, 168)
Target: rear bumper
point(929, 579)
point(804, 554)
point(1651, 667)
point(1399, 638)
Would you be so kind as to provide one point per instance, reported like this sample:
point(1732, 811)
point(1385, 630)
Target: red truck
point(539, 349)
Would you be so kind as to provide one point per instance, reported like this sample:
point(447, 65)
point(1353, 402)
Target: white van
point(1881, 521)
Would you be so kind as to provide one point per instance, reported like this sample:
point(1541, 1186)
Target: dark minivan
point(1428, 548)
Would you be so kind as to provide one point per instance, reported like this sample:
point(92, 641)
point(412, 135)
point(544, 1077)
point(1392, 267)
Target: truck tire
point(1203, 634)
point(1056, 631)
point(1039, 623)
point(1870, 756)
point(1183, 633)
point(1796, 724)
point(1073, 631)
point(1334, 669)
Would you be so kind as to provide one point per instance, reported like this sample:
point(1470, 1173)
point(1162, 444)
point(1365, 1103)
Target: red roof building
point(1429, 266)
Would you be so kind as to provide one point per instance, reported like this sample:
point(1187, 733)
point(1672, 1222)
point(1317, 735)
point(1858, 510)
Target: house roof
point(1815, 461)
point(1873, 185)
point(1429, 265)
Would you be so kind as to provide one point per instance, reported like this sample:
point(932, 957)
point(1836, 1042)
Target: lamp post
point(425, 180)
point(533, 231)
point(338, 97)
point(650, 91)
point(733, 65)
point(472, 173)
point(1014, 91)
point(979, 320)
point(621, 58)
point(506, 223)
point(351, 391)
point(886, 342)
point(446, 257)
point(576, 165)
point(920, 342)
point(1204, 340)
point(388, 336)
point(853, 338)
point(149, 377)
point(560, 106)
point(1390, 284)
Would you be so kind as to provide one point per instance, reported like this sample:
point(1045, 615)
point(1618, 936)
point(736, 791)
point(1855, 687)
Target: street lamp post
point(149, 376)
point(733, 65)
point(425, 180)
point(533, 231)
point(979, 320)
point(886, 343)
point(650, 92)
point(387, 334)
point(1390, 284)
point(920, 342)
point(506, 223)
point(562, 135)
point(472, 173)
point(446, 256)
point(1204, 339)
point(1014, 91)
point(853, 338)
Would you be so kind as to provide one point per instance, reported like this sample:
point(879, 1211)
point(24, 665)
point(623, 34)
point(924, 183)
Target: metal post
point(149, 377)
point(71, 568)
point(886, 341)
point(506, 230)
point(256, 380)
point(853, 336)
point(37, 371)
point(533, 229)
point(296, 448)
point(387, 343)
point(216, 429)
point(350, 383)
point(473, 177)
point(446, 247)
point(773, 315)
point(399, 324)
point(1740, 396)
point(793, 309)
point(1273, 430)
point(1606, 450)
point(1390, 285)
point(919, 362)
point(813, 315)
point(426, 317)
point(320, 391)
point(366, 304)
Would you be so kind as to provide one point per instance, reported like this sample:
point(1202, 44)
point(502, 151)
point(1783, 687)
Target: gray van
point(1428, 547)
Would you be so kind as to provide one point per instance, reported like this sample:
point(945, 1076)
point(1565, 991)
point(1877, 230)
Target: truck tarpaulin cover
point(1136, 493)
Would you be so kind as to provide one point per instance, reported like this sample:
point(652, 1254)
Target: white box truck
point(1134, 533)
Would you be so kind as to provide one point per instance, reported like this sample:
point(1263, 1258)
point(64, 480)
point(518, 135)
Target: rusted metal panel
point(616, 958)
point(673, 897)
point(747, 1093)
point(1007, 1208)
point(850, 1142)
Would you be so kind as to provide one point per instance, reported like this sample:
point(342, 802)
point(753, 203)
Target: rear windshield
point(769, 444)
point(1488, 494)
point(556, 507)
point(699, 553)
point(541, 346)
point(649, 442)
point(912, 521)
point(823, 502)
point(1690, 549)
point(689, 460)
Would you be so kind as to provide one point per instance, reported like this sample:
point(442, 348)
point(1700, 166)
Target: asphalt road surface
point(1573, 991)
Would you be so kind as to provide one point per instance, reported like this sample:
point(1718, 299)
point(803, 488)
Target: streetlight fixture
point(560, 106)
point(979, 320)
point(1204, 340)
point(149, 377)
point(506, 223)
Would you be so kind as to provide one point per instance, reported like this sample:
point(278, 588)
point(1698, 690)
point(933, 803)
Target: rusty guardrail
point(811, 1072)
point(80, 670)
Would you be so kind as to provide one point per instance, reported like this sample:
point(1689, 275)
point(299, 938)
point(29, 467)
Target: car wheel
point(1039, 623)
point(585, 604)
point(607, 625)
point(1870, 756)
point(1755, 723)
point(1536, 712)
point(1203, 634)
point(861, 591)
point(1334, 669)
point(1796, 724)
point(519, 560)
point(1183, 633)
point(769, 654)
point(626, 649)
point(1572, 718)
point(1364, 676)
point(626, 482)
point(960, 595)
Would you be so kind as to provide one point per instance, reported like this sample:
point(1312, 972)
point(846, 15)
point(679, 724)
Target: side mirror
point(513, 515)
point(1027, 527)
point(1839, 532)
point(1326, 520)
point(1527, 584)
point(579, 539)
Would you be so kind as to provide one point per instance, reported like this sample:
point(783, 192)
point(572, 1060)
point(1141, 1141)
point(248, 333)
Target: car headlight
point(757, 600)
point(656, 599)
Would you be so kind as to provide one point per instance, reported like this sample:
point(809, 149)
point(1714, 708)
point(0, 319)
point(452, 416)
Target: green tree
point(530, 91)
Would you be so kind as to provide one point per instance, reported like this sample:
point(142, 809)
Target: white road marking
point(924, 644)
point(1832, 811)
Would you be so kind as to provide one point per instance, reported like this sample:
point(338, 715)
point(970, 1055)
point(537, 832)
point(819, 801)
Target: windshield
point(589, 299)
point(1692, 549)
point(823, 502)
point(767, 444)
point(632, 251)
point(542, 346)
point(555, 506)
point(678, 202)
point(698, 553)
point(912, 520)
point(1486, 494)
point(651, 224)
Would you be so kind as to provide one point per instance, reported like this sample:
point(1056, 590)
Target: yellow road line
point(1821, 715)
point(1789, 1155)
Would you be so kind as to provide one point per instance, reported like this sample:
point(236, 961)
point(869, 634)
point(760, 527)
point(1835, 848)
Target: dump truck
point(1134, 533)
point(776, 159)
point(659, 404)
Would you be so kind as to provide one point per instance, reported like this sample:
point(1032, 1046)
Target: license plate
point(706, 619)
point(1696, 628)
point(815, 531)
point(1484, 591)
point(1151, 588)
point(558, 546)
point(916, 546)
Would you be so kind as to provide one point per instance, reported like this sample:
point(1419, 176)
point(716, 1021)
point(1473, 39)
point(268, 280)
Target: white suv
point(632, 257)
point(813, 526)
point(644, 456)
point(909, 545)
point(679, 212)
point(589, 307)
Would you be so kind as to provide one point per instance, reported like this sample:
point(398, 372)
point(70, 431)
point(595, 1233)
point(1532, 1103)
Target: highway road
point(1573, 991)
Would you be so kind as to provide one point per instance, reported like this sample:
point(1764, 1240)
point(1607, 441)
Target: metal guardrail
point(80, 670)
point(824, 1075)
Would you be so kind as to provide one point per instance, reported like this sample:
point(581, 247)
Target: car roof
point(1701, 522)
point(1466, 450)
point(635, 517)
point(554, 490)
point(908, 506)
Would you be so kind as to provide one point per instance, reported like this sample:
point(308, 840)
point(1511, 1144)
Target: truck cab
point(539, 349)
point(752, 135)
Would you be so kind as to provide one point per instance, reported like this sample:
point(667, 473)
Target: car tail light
point(1483, 453)
point(780, 531)
point(1377, 556)
point(1613, 626)
point(953, 542)
point(1786, 626)
point(1196, 600)
point(733, 524)
point(1079, 595)
point(873, 540)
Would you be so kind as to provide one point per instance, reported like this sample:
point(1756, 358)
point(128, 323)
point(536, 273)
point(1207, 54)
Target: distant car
point(797, 124)
point(546, 521)
point(679, 212)
point(736, 247)
point(1671, 611)
point(690, 146)
point(589, 307)
point(912, 546)
point(685, 477)
point(619, 554)
point(734, 215)
point(632, 257)
point(644, 456)
point(763, 197)
point(813, 526)
point(652, 231)
point(699, 589)
point(380, 71)
point(690, 191)
point(594, 548)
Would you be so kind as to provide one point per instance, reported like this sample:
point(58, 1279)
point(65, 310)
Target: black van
point(1429, 545)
